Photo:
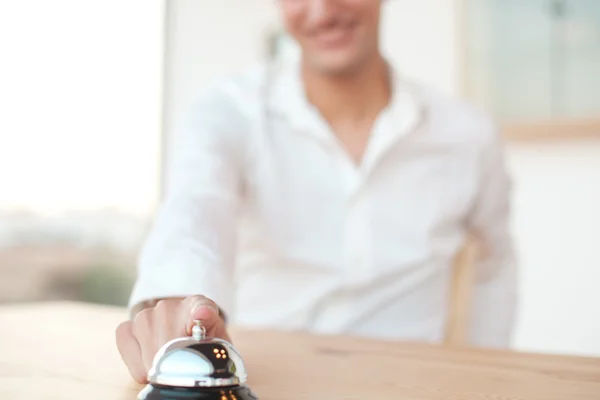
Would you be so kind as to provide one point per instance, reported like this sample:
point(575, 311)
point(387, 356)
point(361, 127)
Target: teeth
point(334, 33)
point(337, 28)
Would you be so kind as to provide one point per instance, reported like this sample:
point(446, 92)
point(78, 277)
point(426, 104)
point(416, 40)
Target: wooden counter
point(67, 351)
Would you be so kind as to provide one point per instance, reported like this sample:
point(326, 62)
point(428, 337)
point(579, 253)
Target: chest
point(352, 138)
point(303, 189)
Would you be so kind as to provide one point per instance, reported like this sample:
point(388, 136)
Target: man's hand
point(139, 340)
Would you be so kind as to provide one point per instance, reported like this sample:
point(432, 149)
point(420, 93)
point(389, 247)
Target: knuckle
point(123, 329)
point(162, 318)
point(163, 305)
point(143, 318)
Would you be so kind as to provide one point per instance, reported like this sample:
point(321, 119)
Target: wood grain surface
point(67, 351)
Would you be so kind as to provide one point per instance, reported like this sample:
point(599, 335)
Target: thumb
point(201, 308)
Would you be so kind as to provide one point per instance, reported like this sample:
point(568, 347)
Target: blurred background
point(89, 91)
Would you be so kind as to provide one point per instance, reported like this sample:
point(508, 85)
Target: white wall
point(421, 38)
point(210, 39)
point(557, 187)
point(557, 229)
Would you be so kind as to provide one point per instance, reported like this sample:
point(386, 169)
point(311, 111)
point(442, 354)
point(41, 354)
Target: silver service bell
point(195, 368)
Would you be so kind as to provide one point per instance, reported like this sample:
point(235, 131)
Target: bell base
point(158, 392)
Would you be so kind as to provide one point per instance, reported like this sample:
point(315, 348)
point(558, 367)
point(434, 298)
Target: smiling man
point(327, 194)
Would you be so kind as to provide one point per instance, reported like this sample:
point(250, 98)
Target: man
point(328, 195)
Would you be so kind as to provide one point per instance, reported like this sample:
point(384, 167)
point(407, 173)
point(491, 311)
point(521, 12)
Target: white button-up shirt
point(266, 214)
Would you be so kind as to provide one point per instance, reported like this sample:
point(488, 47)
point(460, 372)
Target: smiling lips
point(334, 36)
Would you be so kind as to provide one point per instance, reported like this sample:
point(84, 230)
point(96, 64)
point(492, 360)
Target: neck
point(353, 97)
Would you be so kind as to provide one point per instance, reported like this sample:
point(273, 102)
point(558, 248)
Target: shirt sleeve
point(190, 248)
point(494, 298)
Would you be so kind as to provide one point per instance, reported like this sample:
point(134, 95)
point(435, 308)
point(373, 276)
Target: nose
point(319, 11)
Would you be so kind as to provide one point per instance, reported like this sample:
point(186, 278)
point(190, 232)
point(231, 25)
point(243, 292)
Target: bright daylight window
point(535, 60)
point(80, 128)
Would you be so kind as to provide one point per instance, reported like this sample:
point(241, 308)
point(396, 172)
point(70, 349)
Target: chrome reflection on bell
point(197, 367)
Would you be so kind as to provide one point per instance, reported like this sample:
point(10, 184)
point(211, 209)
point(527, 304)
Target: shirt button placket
point(357, 234)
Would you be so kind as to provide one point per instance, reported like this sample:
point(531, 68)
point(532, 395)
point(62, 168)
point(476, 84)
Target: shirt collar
point(287, 99)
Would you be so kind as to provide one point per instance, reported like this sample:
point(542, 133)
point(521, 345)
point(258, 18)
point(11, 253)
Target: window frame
point(543, 129)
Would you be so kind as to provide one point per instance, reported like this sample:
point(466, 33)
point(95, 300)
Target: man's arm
point(494, 300)
point(190, 249)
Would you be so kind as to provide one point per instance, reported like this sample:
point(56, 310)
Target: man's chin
point(333, 66)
